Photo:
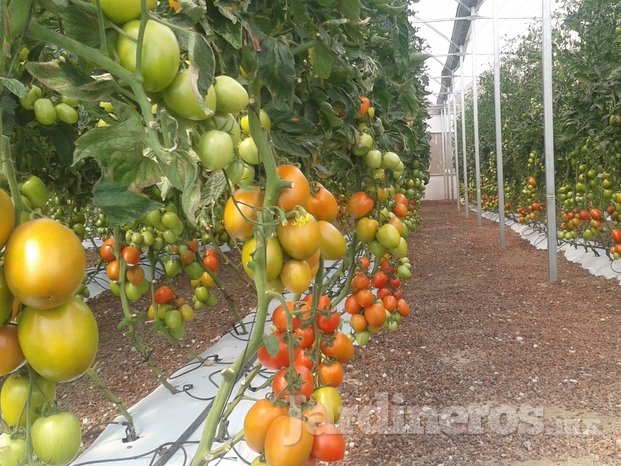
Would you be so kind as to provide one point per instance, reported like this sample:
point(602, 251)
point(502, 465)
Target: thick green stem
point(9, 172)
point(351, 258)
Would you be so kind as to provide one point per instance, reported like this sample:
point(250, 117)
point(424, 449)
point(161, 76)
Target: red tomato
point(131, 255)
point(341, 348)
point(331, 374)
point(281, 358)
point(329, 322)
point(164, 295)
point(306, 384)
point(305, 359)
point(279, 318)
point(106, 251)
point(306, 335)
point(328, 443)
point(359, 205)
point(323, 204)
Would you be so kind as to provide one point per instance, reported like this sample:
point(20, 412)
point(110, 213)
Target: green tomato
point(15, 393)
point(215, 149)
point(401, 250)
point(34, 94)
point(388, 236)
point(373, 158)
point(45, 111)
point(160, 54)
point(193, 270)
point(225, 122)
point(182, 101)
point(172, 267)
point(70, 101)
point(173, 319)
point(390, 160)
point(248, 151)
point(66, 114)
point(56, 439)
point(12, 450)
point(35, 191)
point(362, 338)
point(122, 11)
point(230, 95)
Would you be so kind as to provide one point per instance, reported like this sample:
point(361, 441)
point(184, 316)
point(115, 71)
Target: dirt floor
point(494, 365)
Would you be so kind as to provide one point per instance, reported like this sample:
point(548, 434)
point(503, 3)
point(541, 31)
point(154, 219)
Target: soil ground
point(494, 365)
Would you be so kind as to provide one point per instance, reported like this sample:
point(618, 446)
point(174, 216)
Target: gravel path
point(494, 365)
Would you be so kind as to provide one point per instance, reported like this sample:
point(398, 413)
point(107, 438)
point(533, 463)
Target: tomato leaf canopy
point(120, 205)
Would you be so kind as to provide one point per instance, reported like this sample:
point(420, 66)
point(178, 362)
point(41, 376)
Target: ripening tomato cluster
point(319, 351)
point(376, 301)
point(293, 254)
point(44, 324)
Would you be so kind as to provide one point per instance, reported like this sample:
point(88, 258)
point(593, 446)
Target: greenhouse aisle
point(494, 365)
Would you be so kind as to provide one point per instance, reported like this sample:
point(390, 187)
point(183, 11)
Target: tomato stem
point(116, 401)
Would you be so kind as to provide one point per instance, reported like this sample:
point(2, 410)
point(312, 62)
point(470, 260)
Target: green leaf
point(193, 10)
point(103, 144)
point(81, 26)
point(277, 69)
point(350, 9)
point(8, 106)
point(62, 137)
point(120, 205)
point(322, 61)
point(202, 66)
point(18, 12)
point(183, 175)
point(71, 82)
point(300, 146)
point(231, 32)
point(272, 344)
point(15, 86)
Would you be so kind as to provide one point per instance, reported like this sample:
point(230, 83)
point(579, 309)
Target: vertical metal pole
point(475, 108)
point(443, 154)
point(548, 125)
point(463, 131)
point(499, 168)
point(449, 148)
point(456, 145)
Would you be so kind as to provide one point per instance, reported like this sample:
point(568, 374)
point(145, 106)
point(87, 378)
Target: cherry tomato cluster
point(46, 111)
point(307, 334)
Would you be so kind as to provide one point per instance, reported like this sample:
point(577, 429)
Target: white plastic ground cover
point(598, 265)
point(169, 426)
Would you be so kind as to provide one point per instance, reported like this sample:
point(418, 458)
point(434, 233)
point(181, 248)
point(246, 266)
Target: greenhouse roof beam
point(458, 41)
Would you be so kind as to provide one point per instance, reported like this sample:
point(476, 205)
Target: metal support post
point(499, 167)
point(475, 107)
